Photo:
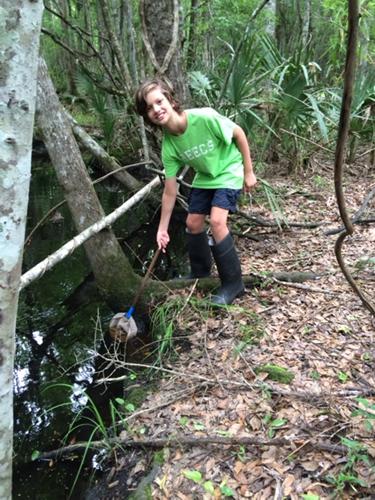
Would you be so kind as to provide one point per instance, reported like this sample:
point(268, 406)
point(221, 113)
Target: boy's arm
point(167, 204)
point(241, 140)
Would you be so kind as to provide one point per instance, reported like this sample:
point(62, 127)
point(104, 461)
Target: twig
point(209, 360)
point(300, 286)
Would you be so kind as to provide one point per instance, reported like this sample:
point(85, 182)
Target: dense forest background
point(274, 67)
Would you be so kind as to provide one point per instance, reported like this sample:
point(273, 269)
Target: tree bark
point(114, 276)
point(192, 43)
point(161, 32)
point(20, 24)
point(116, 47)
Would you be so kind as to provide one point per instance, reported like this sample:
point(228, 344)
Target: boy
point(218, 151)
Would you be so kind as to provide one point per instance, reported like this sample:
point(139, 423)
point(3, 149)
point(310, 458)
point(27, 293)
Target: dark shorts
point(202, 200)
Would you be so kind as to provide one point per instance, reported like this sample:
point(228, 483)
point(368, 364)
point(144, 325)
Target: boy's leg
point(198, 249)
point(197, 241)
point(224, 252)
point(218, 223)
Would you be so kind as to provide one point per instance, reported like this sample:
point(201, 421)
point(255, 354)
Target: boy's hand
point(249, 182)
point(162, 238)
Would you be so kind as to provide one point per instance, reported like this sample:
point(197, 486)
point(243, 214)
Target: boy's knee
point(195, 223)
point(217, 223)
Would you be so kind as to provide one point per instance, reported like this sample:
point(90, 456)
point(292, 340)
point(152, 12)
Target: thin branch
point(307, 140)
point(125, 73)
point(74, 27)
point(358, 215)
point(261, 221)
point(96, 181)
point(78, 55)
point(306, 288)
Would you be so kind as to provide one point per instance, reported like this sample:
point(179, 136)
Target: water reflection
point(56, 342)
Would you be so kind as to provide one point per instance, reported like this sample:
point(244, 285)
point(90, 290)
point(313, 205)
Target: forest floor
point(311, 437)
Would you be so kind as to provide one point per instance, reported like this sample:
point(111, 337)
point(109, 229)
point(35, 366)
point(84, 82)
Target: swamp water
point(60, 325)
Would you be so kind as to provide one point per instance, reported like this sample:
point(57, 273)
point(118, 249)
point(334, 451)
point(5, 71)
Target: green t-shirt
point(207, 146)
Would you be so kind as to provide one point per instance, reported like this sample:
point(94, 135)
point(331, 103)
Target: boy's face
point(159, 108)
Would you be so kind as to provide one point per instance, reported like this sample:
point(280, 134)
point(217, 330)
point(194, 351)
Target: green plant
point(104, 108)
point(90, 418)
point(273, 424)
point(348, 477)
point(250, 332)
point(320, 182)
point(167, 315)
point(201, 86)
point(343, 377)
point(208, 486)
point(366, 409)
point(315, 375)
point(274, 202)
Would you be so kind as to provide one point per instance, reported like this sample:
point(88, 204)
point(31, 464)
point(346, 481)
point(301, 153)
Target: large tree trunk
point(20, 23)
point(114, 276)
point(159, 28)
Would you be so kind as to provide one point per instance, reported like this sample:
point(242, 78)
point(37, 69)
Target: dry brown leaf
point(287, 484)
point(310, 465)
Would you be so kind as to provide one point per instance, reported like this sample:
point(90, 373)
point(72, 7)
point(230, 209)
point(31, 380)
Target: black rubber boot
point(229, 269)
point(199, 255)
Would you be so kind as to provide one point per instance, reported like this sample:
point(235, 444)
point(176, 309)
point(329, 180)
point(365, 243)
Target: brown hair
point(146, 87)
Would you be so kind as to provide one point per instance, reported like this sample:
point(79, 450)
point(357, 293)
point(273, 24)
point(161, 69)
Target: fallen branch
point(62, 202)
point(261, 221)
point(107, 161)
point(250, 280)
point(180, 441)
point(69, 247)
point(306, 288)
point(357, 217)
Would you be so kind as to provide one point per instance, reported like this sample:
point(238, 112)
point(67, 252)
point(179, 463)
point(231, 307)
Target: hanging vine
point(343, 129)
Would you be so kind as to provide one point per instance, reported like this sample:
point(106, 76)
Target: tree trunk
point(158, 28)
point(193, 24)
point(20, 24)
point(114, 276)
point(116, 46)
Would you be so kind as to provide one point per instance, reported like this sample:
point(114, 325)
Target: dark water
point(59, 328)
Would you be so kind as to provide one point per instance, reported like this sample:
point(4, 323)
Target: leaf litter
point(326, 340)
